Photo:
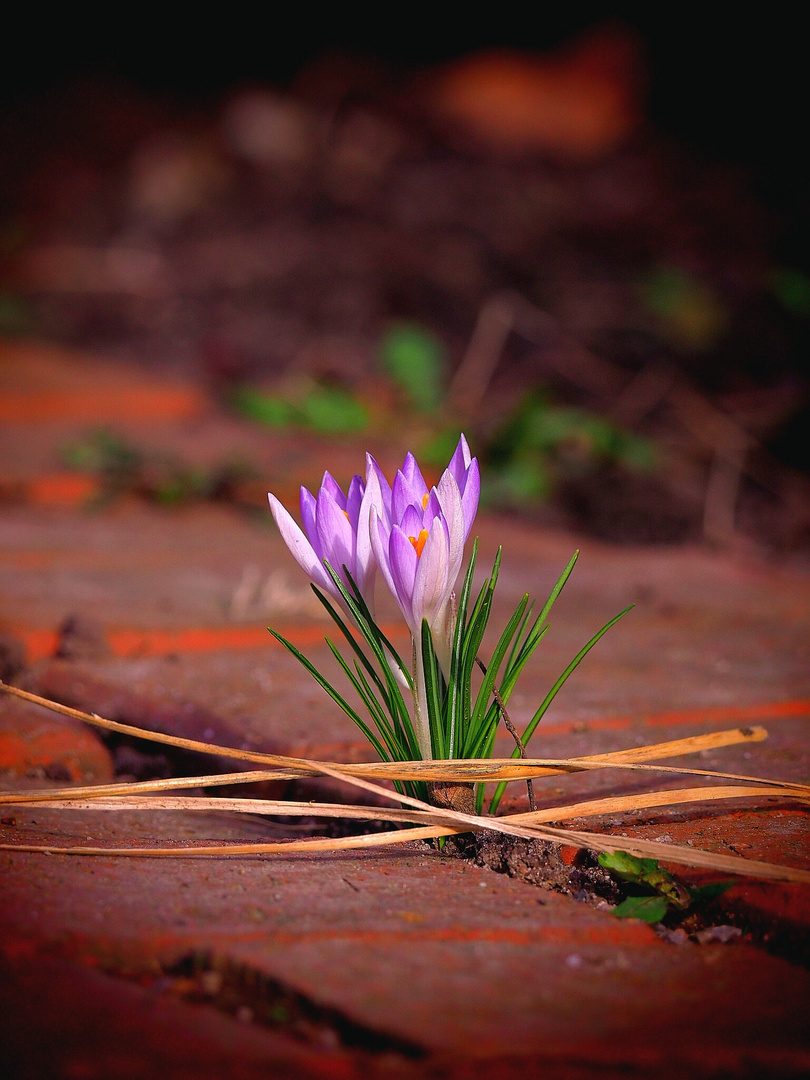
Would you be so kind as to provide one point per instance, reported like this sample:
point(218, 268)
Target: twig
point(508, 312)
point(512, 731)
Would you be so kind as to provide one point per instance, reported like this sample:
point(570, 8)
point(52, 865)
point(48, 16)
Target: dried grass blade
point(490, 770)
point(285, 808)
point(152, 736)
point(283, 847)
point(668, 853)
point(687, 856)
point(449, 821)
point(280, 808)
point(621, 803)
point(103, 791)
point(692, 744)
point(415, 770)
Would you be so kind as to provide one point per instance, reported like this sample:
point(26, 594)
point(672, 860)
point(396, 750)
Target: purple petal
point(450, 499)
point(380, 537)
point(403, 495)
point(354, 498)
point(333, 487)
point(404, 568)
point(460, 462)
point(430, 588)
point(412, 473)
point(374, 470)
point(300, 548)
point(470, 495)
point(412, 522)
point(335, 533)
point(308, 519)
point(365, 562)
point(433, 507)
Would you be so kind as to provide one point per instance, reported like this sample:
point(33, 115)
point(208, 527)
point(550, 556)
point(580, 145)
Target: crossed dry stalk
point(427, 821)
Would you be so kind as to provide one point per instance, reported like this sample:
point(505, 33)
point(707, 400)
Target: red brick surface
point(36, 742)
point(465, 972)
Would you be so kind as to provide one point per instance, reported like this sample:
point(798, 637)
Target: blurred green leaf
point(792, 289)
point(651, 909)
point(415, 360)
point(440, 448)
point(523, 479)
point(262, 407)
point(690, 311)
point(328, 409)
point(542, 443)
point(102, 452)
point(627, 867)
point(704, 894)
point(15, 316)
point(333, 410)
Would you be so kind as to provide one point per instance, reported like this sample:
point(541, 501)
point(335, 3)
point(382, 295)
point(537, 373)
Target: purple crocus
point(336, 530)
point(418, 540)
point(418, 536)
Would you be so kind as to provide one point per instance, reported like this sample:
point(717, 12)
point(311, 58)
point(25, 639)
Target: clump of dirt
point(705, 922)
point(539, 862)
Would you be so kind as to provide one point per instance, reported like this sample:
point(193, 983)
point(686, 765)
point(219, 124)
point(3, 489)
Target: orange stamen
point(425, 498)
point(419, 541)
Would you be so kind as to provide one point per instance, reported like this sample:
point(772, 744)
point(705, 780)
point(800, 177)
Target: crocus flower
point(419, 539)
point(336, 530)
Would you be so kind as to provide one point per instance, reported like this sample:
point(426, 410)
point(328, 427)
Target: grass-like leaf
point(555, 689)
point(332, 692)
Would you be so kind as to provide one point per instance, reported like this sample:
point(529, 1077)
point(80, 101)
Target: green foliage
point(655, 891)
point(651, 909)
point(330, 410)
point(263, 408)
point(563, 678)
point(537, 447)
point(648, 875)
point(462, 722)
point(377, 679)
point(104, 453)
point(704, 894)
point(415, 359)
point(333, 411)
point(690, 312)
point(542, 444)
point(792, 289)
point(123, 469)
point(15, 316)
point(439, 447)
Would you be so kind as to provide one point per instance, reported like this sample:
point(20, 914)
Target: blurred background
point(581, 239)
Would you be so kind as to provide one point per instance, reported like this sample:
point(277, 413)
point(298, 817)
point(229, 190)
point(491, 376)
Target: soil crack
point(252, 996)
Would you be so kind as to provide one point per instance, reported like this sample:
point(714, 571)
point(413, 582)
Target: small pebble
point(721, 935)
point(674, 937)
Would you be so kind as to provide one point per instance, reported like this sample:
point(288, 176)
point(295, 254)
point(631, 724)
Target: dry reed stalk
point(284, 808)
point(491, 770)
point(446, 821)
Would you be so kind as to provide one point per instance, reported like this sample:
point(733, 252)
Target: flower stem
point(421, 721)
